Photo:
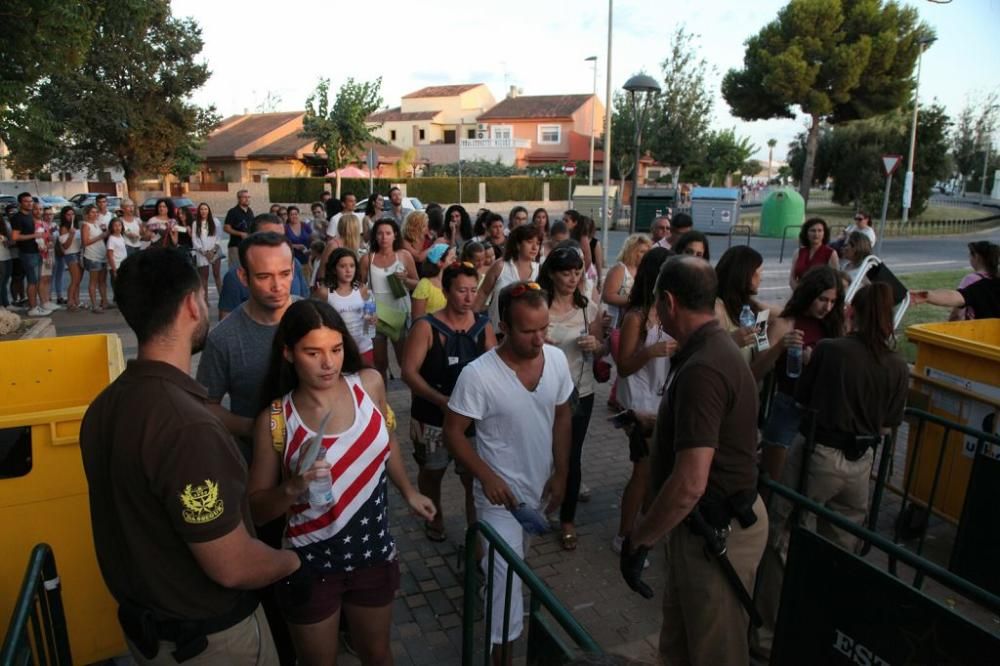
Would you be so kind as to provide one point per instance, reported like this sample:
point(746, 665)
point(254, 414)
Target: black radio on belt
point(853, 446)
point(737, 506)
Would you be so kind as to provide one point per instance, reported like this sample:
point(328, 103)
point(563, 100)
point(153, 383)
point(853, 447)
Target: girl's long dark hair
point(563, 258)
point(170, 207)
point(197, 220)
point(642, 297)
point(735, 272)
point(397, 242)
point(330, 276)
point(299, 319)
point(817, 280)
point(989, 253)
point(692, 237)
point(464, 226)
point(512, 249)
point(66, 224)
point(873, 318)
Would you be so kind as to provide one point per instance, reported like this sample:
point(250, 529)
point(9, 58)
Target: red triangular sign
point(890, 163)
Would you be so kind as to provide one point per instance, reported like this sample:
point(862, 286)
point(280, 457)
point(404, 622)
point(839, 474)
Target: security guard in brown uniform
point(705, 480)
point(168, 504)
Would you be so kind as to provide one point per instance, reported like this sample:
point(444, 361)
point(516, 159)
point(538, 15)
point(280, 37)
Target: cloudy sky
point(257, 48)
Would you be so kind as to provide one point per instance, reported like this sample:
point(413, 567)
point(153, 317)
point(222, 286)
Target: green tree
point(127, 104)
point(821, 162)
point(623, 135)
point(970, 137)
point(751, 168)
point(682, 112)
point(854, 154)
point(837, 60)
point(341, 129)
point(725, 154)
point(43, 38)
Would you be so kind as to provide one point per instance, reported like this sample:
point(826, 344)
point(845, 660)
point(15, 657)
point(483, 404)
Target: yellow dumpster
point(958, 368)
point(46, 386)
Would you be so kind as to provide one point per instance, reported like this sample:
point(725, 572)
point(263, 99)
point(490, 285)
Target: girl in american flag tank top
point(317, 381)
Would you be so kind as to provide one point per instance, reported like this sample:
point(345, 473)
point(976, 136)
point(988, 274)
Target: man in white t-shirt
point(104, 216)
point(348, 201)
point(517, 396)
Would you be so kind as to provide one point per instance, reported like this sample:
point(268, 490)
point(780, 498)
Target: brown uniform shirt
point(163, 473)
point(711, 401)
point(854, 392)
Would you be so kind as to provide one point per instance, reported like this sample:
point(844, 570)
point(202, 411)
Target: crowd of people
point(265, 477)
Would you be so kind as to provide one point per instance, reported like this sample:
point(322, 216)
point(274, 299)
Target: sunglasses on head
point(521, 288)
point(460, 264)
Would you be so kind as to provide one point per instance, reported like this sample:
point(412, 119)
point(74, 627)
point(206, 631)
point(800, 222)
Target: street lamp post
point(924, 42)
point(606, 163)
point(593, 116)
point(638, 85)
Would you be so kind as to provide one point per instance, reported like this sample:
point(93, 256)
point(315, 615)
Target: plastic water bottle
point(747, 318)
point(588, 357)
point(793, 362)
point(369, 312)
point(321, 491)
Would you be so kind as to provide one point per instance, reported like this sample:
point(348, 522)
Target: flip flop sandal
point(568, 541)
point(434, 534)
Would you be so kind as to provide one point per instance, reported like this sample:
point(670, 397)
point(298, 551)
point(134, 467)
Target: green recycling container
point(782, 208)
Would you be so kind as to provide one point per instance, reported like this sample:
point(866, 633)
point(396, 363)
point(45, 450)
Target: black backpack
point(465, 346)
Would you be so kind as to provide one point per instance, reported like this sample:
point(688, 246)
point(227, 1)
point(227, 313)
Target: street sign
point(890, 163)
point(569, 169)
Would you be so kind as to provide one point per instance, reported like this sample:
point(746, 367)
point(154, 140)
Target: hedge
point(442, 189)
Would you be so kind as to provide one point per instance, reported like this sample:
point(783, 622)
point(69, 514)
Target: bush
point(294, 190)
point(359, 186)
point(443, 189)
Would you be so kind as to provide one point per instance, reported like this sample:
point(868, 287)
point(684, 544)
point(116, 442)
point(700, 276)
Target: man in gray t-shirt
point(236, 356)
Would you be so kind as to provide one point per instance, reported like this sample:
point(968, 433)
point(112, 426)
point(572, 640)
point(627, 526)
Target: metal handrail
point(540, 593)
point(784, 237)
point(741, 227)
point(39, 608)
point(938, 573)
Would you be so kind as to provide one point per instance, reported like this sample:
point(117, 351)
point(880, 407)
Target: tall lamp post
point(593, 116)
point(645, 86)
point(924, 42)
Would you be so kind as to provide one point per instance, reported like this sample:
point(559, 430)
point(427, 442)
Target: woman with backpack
point(438, 347)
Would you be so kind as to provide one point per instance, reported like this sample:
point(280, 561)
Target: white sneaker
point(38, 311)
point(52, 306)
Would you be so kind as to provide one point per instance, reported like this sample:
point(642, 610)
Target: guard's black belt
point(853, 446)
point(190, 637)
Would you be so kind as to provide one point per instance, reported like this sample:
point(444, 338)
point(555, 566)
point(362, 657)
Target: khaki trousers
point(831, 480)
point(246, 643)
point(704, 622)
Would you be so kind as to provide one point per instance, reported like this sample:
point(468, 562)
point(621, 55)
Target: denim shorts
point(782, 422)
point(93, 266)
point(31, 263)
point(70, 259)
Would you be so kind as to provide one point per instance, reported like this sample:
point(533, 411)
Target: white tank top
point(624, 290)
point(352, 309)
point(640, 391)
point(508, 275)
point(379, 283)
point(95, 251)
point(74, 246)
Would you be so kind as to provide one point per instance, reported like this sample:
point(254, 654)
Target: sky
point(258, 49)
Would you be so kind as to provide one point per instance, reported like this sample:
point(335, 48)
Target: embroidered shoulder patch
point(201, 503)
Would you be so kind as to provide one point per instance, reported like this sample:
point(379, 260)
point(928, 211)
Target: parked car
point(148, 207)
point(55, 202)
point(84, 199)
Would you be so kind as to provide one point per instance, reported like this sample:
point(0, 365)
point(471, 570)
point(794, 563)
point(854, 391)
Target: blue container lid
point(724, 193)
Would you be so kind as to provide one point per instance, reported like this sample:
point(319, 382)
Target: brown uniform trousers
point(833, 481)
point(246, 643)
point(704, 623)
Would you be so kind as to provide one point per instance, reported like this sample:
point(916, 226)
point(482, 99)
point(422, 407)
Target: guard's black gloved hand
point(631, 562)
point(298, 584)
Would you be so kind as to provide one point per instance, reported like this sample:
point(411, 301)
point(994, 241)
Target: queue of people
point(500, 337)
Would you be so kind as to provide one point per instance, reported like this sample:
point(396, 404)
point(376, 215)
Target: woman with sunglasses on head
point(643, 363)
point(324, 451)
point(575, 327)
point(520, 263)
point(384, 269)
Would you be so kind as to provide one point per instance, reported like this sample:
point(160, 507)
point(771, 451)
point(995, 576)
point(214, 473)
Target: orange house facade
point(526, 130)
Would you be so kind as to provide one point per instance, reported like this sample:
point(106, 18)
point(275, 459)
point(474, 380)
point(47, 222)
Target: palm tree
point(771, 143)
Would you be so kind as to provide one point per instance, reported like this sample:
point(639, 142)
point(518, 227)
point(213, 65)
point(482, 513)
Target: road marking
point(953, 262)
